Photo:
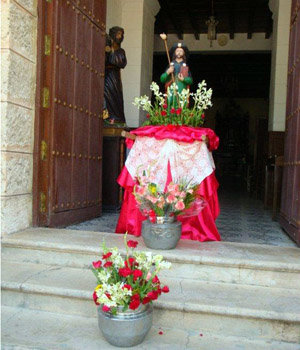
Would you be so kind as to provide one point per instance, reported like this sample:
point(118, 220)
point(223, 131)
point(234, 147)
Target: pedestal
point(113, 162)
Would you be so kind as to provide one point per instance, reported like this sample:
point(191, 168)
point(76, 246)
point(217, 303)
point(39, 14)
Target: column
point(18, 50)
point(279, 64)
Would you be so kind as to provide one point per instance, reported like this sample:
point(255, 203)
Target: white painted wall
point(279, 65)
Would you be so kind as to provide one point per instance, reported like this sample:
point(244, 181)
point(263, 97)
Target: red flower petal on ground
point(97, 264)
point(173, 110)
point(106, 256)
point(178, 110)
point(108, 264)
point(137, 274)
point(165, 106)
point(95, 298)
point(125, 271)
point(132, 244)
point(160, 332)
point(163, 113)
point(201, 335)
point(105, 308)
point(165, 289)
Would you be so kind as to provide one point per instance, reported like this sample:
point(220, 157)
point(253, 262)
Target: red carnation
point(137, 274)
point(105, 308)
point(125, 271)
point(95, 298)
point(155, 279)
point(178, 111)
point(152, 216)
point(173, 110)
point(135, 302)
point(131, 262)
point(146, 300)
point(152, 295)
point(108, 295)
point(128, 286)
point(165, 289)
point(165, 106)
point(163, 113)
point(106, 256)
point(132, 244)
point(108, 264)
point(97, 264)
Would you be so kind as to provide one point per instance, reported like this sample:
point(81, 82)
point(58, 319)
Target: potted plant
point(161, 207)
point(126, 288)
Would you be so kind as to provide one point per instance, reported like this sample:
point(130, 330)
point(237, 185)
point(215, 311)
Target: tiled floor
point(242, 219)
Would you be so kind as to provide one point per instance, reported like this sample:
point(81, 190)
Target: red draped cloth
point(201, 227)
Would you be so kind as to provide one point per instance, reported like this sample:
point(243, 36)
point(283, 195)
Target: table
point(172, 152)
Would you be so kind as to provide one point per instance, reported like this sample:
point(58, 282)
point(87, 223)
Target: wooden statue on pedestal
point(115, 60)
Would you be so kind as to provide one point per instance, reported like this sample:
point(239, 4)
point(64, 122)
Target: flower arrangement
point(127, 282)
point(174, 200)
point(180, 114)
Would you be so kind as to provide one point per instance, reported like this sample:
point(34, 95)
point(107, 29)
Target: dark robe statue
point(115, 59)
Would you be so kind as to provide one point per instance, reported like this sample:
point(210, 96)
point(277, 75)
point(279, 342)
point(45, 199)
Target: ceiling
point(234, 16)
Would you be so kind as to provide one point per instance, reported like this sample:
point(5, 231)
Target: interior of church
point(240, 116)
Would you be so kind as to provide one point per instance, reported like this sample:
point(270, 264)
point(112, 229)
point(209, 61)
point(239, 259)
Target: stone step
point(230, 310)
point(30, 329)
point(247, 264)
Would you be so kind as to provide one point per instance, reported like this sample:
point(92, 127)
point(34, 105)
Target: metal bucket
point(164, 234)
point(128, 328)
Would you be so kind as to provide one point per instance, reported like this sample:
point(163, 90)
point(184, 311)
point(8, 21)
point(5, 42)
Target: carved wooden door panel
point(290, 202)
point(72, 119)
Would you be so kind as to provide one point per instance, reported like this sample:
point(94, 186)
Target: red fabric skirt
point(199, 228)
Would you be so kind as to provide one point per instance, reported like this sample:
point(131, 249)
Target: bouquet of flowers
point(127, 282)
point(180, 114)
point(176, 199)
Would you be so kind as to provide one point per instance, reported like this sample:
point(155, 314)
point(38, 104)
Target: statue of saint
point(115, 59)
point(177, 72)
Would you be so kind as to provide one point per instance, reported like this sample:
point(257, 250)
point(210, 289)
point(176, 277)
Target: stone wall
point(18, 81)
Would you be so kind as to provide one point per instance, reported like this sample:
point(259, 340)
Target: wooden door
point(68, 140)
point(290, 202)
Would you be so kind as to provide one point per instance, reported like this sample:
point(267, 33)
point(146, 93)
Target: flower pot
point(128, 328)
point(163, 234)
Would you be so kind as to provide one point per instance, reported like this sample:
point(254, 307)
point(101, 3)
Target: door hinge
point(44, 150)
point(42, 202)
point(47, 44)
point(46, 97)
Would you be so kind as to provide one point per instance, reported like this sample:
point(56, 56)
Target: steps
point(241, 293)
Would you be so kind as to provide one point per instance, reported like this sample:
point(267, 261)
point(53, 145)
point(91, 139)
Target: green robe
point(184, 84)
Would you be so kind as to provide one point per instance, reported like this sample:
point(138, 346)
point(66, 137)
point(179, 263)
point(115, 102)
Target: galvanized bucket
point(163, 234)
point(128, 328)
